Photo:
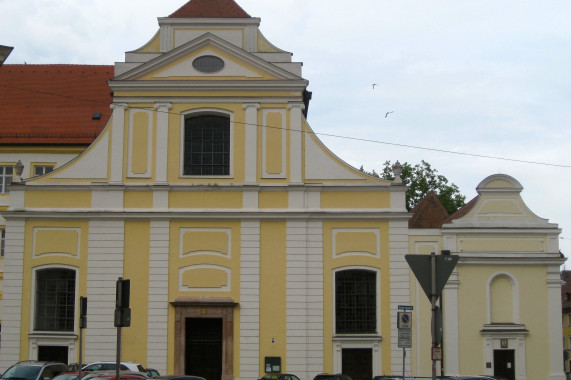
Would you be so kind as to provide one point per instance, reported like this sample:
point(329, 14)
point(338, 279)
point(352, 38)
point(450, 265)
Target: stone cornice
point(223, 213)
point(208, 85)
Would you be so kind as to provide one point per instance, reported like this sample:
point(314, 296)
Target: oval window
point(208, 64)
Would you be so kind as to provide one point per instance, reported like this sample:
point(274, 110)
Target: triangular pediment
point(177, 64)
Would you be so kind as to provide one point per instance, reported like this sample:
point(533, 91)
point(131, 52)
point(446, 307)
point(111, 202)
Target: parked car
point(123, 375)
point(279, 376)
point(151, 372)
point(75, 367)
point(110, 366)
point(177, 377)
point(71, 375)
point(412, 378)
point(35, 370)
point(327, 376)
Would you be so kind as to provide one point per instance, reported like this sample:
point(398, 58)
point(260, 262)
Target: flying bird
point(374, 84)
point(387, 114)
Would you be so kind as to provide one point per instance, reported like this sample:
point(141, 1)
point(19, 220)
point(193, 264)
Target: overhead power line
point(317, 133)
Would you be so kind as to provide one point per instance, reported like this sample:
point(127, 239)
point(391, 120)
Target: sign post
point(432, 272)
point(122, 314)
point(404, 324)
point(82, 325)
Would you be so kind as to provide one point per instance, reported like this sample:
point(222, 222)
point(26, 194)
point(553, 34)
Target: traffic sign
point(404, 320)
point(420, 265)
point(405, 338)
point(405, 307)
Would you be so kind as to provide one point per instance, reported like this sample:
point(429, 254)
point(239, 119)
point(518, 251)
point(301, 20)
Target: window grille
point(355, 302)
point(207, 145)
point(55, 299)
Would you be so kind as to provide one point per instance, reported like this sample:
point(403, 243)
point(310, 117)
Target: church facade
point(249, 246)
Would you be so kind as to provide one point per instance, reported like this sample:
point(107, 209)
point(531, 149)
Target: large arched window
point(355, 301)
point(207, 145)
point(55, 299)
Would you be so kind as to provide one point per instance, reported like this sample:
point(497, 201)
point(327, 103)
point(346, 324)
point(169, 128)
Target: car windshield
point(27, 372)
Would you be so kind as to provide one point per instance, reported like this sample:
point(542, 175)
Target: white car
point(110, 366)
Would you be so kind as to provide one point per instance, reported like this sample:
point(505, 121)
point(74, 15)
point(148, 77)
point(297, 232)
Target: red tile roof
point(210, 9)
point(463, 210)
point(428, 213)
point(53, 104)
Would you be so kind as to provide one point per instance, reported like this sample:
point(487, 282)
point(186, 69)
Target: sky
point(480, 78)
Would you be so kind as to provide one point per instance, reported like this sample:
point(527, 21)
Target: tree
point(421, 179)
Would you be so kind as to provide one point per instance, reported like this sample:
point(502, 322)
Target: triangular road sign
point(420, 265)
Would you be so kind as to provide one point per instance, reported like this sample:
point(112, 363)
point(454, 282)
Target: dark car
point(123, 375)
point(35, 370)
point(181, 377)
point(279, 376)
point(151, 372)
point(412, 378)
point(328, 376)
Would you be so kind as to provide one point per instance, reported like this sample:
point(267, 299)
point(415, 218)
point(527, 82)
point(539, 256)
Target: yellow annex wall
point(473, 307)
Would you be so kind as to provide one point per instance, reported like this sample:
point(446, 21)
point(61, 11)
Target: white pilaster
point(117, 138)
point(296, 119)
point(451, 325)
point(555, 328)
point(251, 133)
point(12, 294)
point(400, 286)
point(304, 298)
point(250, 300)
point(167, 38)
point(104, 267)
point(158, 296)
point(162, 142)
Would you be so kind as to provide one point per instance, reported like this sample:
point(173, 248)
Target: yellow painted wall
point(210, 258)
point(211, 199)
point(138, 199)
point(32, 261)
point(273, 199)
point(473, 305)
point(136, 269)
point(273, 291)
point(344, 199)
point(57, 199)
point(364, 261)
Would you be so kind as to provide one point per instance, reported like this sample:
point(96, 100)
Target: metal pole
point(403, 360)
point(118, 360)
point(433, 304)
point(80, 352)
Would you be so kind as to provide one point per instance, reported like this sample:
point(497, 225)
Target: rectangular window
point(569, 341)
point(55, 299)
point(6, 175)
point(2, 242)
point(569, 319)
point(42, 169)
point(207, 145)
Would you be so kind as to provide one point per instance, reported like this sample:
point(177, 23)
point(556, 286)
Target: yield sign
point(421, 267)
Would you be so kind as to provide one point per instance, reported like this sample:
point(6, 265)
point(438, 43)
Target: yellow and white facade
point(260, 250)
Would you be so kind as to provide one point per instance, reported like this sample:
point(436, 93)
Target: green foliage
point(421, 179)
